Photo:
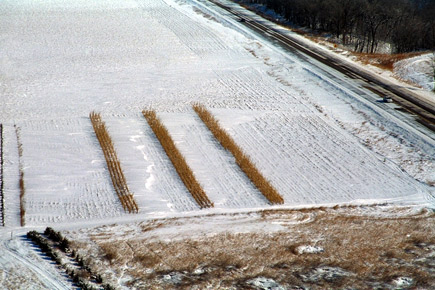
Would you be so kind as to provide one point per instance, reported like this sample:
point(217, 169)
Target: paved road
point(418, 114)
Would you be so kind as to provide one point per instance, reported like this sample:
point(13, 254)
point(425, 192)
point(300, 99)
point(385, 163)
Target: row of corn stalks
point(242, 160)
point(21, 175)
point(118, 179)
point(177, 159)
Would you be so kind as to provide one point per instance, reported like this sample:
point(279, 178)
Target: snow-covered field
point(62, 59)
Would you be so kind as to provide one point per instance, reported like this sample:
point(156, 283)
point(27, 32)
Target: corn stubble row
point(242, 160)
point(177, 159)
point(118, 179)
point(21, 180)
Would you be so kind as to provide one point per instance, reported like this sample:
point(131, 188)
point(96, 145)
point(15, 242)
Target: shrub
point(64, 244)
point(108, 287)
point(99, 279)
point(53, 235)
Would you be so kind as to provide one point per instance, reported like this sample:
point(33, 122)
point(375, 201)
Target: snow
point(325, 273)
point(214, 167)
point(419, 70)
point(22, 268)
point(61, 59)
point(309, 249)
point(310, 163)
point(403, 282)
point(265, 284)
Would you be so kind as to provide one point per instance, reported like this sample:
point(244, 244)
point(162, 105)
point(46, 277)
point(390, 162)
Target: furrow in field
point(253, 90)
point(311, 161)
point(215, 168)
point(195, 36)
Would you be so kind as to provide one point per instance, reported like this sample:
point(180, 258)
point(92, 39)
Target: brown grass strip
point(384, 61)
point(243, 160)
point(116, 174)
point(177, 159)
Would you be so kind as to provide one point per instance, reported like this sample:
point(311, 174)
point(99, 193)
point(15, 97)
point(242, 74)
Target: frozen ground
point(62, 59)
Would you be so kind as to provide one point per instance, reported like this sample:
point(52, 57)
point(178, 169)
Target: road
point(10, 254)
point(408, 107)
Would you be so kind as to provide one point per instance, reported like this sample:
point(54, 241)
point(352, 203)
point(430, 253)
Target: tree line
point(408, 25)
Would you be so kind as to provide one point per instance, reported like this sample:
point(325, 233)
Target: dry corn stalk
point(177, 159)
point(242, 160)
point(116, 174)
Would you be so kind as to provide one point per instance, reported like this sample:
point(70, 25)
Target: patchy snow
point(403, 282)
point(326, 273)
point(264, 284)
point(309, 249)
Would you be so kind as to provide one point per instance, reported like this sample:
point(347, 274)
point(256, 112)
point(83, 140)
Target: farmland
point(116, 174)
point(98, 106)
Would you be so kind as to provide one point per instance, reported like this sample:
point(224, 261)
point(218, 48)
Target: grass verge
point(384, 61)
point(118, 179)
point(242, 160)
point(177, 159)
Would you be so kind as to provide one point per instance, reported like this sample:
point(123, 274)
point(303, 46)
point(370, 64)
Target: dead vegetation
point(384, 61)
point(118, 179)
point(21, 177)
point(358, 251)
point(178, 160)
point(242, 159)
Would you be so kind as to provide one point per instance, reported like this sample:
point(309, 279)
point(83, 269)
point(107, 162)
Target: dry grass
point(384, 61)
point(118, 179)
point(21, 177)
point(242, 160)
point(177, 159)
point(372, 251)
point(22, 203)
